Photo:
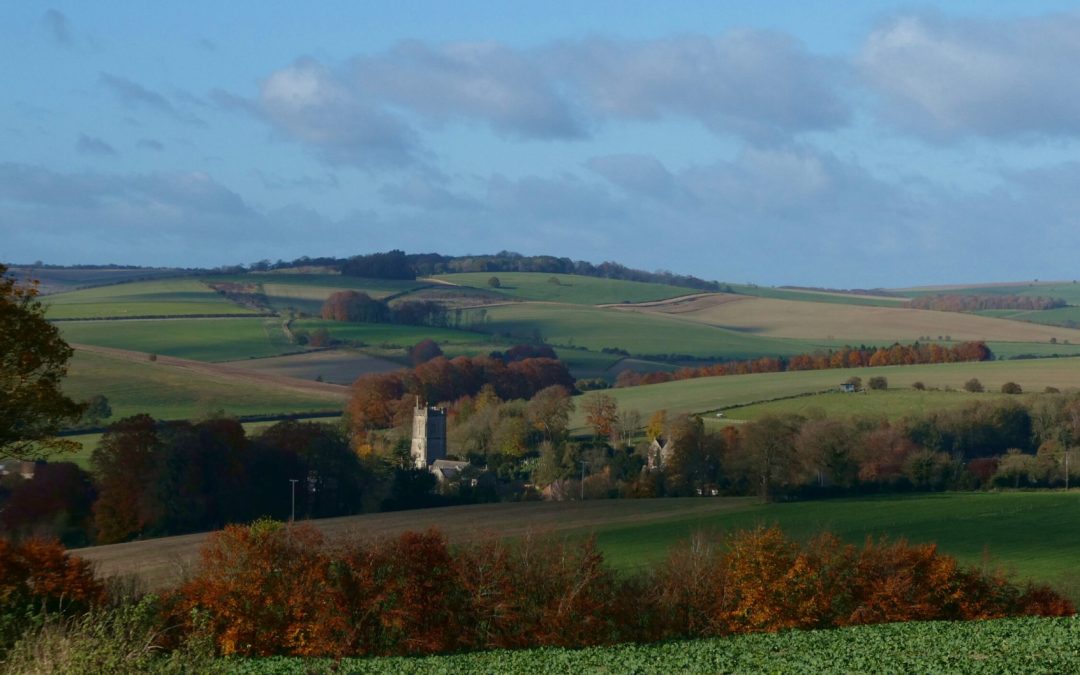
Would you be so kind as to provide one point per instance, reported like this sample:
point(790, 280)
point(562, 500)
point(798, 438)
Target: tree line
point(845, 357)
point(978, 303)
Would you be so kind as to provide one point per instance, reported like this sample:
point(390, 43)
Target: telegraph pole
point(292, 518)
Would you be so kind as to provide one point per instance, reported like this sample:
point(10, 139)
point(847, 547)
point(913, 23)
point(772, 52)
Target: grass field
point(200, 339)
point(169, 392)
point(58, 280)
point(638, 333)
point(1029, 533)
point(815, 296)
point(1066, 290)
point(1026, 645)
point(166, 297)
point(713, 393)
point(855, 323)
point(892, 404)
point(571, 289)
point(392, 335)
point(307, 292)
point(338, 366)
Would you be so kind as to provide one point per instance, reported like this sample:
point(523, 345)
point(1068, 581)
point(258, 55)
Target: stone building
point(428, 435)
point(659, 452)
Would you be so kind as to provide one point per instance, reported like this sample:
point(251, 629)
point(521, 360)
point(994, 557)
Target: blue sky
point(808, 143)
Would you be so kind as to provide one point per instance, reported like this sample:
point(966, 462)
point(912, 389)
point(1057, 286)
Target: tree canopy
point(33, 362)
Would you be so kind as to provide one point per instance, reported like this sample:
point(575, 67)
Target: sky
point(843, 145)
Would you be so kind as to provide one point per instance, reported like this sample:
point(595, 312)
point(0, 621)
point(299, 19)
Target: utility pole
point(292, 518)
point(583, 465)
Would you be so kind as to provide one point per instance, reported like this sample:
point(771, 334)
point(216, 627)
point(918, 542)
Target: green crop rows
point(1003, 646)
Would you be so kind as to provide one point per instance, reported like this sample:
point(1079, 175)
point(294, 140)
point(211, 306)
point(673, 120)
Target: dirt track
point(159, 563)
point(233, 373)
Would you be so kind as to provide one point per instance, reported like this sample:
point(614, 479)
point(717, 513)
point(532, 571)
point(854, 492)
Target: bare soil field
point(159, 563)
point(335, 366)
point(816, 321)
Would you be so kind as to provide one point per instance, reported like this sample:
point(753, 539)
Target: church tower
point(428, 435)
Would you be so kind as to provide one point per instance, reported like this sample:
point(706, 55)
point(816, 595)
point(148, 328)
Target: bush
point(38, 577)
point(1011, 388)
point(494, 282)
point(879, 383)
point(973, 385)
point(919, 386)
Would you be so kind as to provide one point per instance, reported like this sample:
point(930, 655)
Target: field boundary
point(147, 317)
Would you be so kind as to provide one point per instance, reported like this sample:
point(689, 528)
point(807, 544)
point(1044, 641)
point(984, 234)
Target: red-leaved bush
point(269, 588)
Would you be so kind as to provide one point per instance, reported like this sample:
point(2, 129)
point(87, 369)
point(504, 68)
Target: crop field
point(639, 333)
point(337, 366)
point(307, 292)
point(571, 289)
point(714, 393)
point(200, 339)
point(1025, 645)
point(855, 323)
point(168, 391)
point(1028, 533)
point(166, 297)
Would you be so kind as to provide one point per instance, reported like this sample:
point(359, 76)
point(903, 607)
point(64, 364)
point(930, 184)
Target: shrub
point(38, 576)
point(879, 382)
point(919, 386)
point(1011, 388)
point(494, 282)
point(973, 385)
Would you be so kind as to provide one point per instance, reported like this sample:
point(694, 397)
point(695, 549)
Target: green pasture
point(811, 296)
point(570, 289)
point(713, 393)
point(395, 335)
point(165, 297)
point(1025, 645)
point(891, 404)
point(199, 339)
point(640, 334)
point(168, 392)
point(1009, 350)
point(1068, 317)
point(306, 293)
point(58, 280)
point(1069, 291)
point(1031, 534)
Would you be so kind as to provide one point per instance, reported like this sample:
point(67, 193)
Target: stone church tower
point(428, 435)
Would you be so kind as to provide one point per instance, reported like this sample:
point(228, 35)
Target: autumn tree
point(424, 351)
point(549, 411)
point(354, 306)
point(601, 413)
point(767, 452)
point(126, 462)
point(33, 362)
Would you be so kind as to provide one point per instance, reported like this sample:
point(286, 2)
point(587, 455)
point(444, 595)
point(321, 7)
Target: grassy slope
point(200, 339)
point(167, 297)
point(892, 404)
point(1027, 645)
point(59, 280)
point(571, 289)
point(811, 296)
point(391, 335)
point(640, 334)
point(175, 393)
point(712, 393)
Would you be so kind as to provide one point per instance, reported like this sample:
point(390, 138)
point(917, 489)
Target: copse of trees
point(845, 357)
point(978, 303)
point(384, 400)
point(359, 307)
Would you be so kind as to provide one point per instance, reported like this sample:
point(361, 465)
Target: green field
point(307, 292)
point(714, 393)
point(176, 393)
point(571, 289)
point(61, 279)
point(892, 404)
point(199, 339)
point(1026, 645)
point(1069, 291)
point(166, 297)
point(811, 296)
point(394, 335)
point(640, 334)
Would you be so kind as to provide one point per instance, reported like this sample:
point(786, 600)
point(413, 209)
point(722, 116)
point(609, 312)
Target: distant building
point(659, 453)
point(447, 470)
point(428, 435)
point(848, 388)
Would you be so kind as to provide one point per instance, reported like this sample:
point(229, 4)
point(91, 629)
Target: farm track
point(234, 374)
point(159, 563)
